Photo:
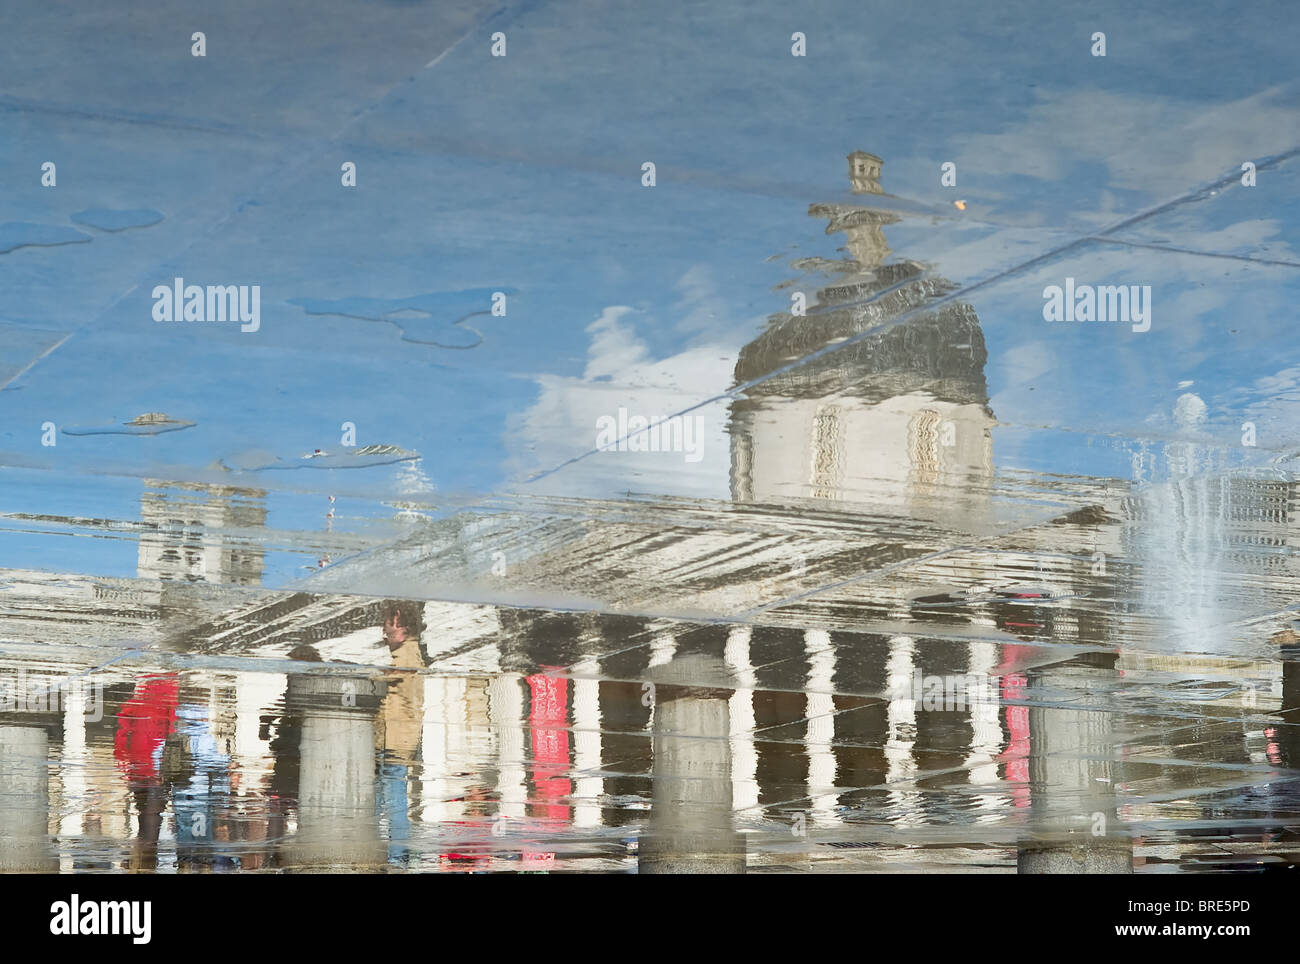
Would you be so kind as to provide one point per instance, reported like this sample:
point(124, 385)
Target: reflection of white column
point(253, 693)
point(586, 744)
point(506, 710)
point(986, 731)
point(25, 801)
point(900, 763)
point(821, 726)
point(662, 648)
point(744, 756)
point(442, 736)
point(73, 769)
point(434, 790)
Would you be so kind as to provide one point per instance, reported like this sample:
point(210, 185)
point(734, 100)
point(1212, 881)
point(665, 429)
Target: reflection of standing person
point(472, 858)
point(143, 725)
point(201, 788)
point(401, 718)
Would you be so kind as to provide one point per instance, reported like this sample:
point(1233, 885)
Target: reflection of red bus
point(1015, 758)
point(548, 725)
point(548, 720)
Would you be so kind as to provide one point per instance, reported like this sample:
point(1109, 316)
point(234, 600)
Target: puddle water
point(807, 503)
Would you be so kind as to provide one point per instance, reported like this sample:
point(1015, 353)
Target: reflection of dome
point(940, 352)
point(897, 417)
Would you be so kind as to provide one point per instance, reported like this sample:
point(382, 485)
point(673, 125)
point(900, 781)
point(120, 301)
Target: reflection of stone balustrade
point(691, 830)
point(1072, 775)
point(338, 828)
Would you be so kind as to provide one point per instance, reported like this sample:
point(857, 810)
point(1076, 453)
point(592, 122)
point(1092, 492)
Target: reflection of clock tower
point(897, 418)
point(193, 533)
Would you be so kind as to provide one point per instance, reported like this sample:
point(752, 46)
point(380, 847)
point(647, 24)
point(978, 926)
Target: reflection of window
point(827, 449)
point(742, 466)
point(923, 447)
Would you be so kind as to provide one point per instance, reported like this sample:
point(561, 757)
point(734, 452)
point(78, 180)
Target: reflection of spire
point(862, 225)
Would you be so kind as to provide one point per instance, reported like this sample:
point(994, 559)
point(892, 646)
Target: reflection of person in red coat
point(143, 725)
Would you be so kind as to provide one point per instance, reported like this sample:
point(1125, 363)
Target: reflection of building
point(538, 724)
point(898, 417)
point(893, 415)
point(194, 533)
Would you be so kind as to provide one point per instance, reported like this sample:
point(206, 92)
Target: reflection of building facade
point(754, 727)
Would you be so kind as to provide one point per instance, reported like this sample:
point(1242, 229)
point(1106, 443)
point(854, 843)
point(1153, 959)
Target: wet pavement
point(794, 503)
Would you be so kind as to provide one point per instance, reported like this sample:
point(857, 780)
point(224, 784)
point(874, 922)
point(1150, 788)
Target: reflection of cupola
point(860, 225)
point(864, 173)
point(941, 351)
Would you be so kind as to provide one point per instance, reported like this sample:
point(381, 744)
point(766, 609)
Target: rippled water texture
point(719, 495)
